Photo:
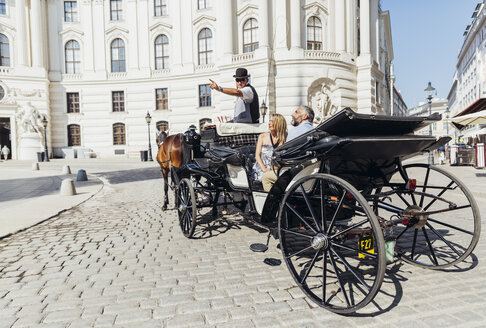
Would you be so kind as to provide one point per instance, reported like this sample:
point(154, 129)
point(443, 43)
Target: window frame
point(72, 102)
point(72, 13)
point(162, 6)
point(204, 98)
point(117, 134)
point(162, 99)
point(205, 4)
point(254, 44)
point(165, 53)
point(3, 5)
point(117, 102)
point(116, 14)
point(208, 54)
point(74, 64)
point(4, 59)
point(74, 137)
point(314, 43)
point(118, 62)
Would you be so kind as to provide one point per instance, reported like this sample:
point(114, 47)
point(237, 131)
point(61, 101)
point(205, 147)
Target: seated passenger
point(302, 120)
point(266, 143)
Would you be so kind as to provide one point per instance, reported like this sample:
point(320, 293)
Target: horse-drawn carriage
point(343, 204)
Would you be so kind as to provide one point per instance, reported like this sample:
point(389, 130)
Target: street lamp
point(447, 112)
point(263, 110)
point(46, 152)
point(148, 119)
point(429, 91)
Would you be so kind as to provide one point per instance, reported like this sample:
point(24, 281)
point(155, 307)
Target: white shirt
point(242, 106)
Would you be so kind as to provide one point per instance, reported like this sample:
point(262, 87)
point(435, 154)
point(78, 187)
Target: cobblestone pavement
point(118, 260)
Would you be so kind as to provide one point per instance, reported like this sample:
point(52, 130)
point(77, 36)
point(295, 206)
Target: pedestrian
point(246, 106)
point(5, 152)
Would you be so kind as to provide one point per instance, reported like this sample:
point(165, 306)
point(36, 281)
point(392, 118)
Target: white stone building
point(469, 84)
point(95, 67)
point(440, 128)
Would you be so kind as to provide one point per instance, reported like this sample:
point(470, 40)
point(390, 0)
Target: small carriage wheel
point(332, 243)
point(186, 207)
point(448, 234)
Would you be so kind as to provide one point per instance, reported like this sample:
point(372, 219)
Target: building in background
point(469, 83)
point(399, 108)
point(440, 128)
point(94, 68)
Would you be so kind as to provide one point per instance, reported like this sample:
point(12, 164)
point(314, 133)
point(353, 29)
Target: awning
point(469, 119)
point(467, 116)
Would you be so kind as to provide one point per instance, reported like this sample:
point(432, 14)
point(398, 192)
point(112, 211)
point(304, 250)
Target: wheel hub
point(320, 241)
point(417, 210)
point(182, 207)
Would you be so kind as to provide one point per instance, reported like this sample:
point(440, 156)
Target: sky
point(427, 37)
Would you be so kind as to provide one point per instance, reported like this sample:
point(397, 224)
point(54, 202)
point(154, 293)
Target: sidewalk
point(30, 197)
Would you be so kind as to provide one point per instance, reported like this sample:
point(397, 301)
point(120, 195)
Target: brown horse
point(169, 154)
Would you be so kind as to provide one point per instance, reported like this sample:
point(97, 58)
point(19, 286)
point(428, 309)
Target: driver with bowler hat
point(246, 106)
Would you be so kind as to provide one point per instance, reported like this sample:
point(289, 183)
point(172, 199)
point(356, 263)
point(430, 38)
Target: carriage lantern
point(263, 110)
point(429, 91)
point(44, 124)
point(148, 119)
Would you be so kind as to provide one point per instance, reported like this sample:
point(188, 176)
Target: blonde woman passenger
point(267, 142)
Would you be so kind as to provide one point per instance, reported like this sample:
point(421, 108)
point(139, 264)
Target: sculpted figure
point(28, 119)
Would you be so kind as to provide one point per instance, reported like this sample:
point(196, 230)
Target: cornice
point(201, 18)
point(71, 30)
point(116, 28)
point(316, 6)
point(245, 8)
point(158, 25)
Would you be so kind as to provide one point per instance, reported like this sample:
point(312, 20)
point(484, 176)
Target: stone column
point(175, 41)
point(132, 46)
point(21, 33)
point(37, 48)
point(143, 34)
point(99, 37)
point(340, 27)
point(86, 20)
point(225, 31)
point(263, 24)
point(281, 25)
point(350, 26)
point(187, 36)
point(295, 24)
point(55, 52)
point(364, 18)
point(374, 30)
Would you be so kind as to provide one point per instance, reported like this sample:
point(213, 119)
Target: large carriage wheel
point(332, 243)
point(437, 240)
point(186, 207)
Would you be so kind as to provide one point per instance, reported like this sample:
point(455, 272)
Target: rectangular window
point(377, 92)
point(161, 98)
point(116, 12)
point(3, 7)
point(202, 4)
point(119, 135)
point(74, 135)
point(118, 100)
point(70, 11)
point(72, 102)
point(204, 95)
point(160, 7)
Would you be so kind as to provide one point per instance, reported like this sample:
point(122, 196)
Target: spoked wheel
point(332, 243)
point(448, 230)
point(186, 207)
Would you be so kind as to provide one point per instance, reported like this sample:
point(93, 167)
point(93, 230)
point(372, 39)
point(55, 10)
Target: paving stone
point(133, 316)
point(186, 320)
point(164, 312)
point(216, 317)
point(104, 321)
point(32, 320)
point(63, 316)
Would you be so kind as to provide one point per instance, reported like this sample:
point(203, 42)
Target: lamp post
point(46, 152)
point(263, 110)
point(148, 119)
point(430, 94)
point(447, 112)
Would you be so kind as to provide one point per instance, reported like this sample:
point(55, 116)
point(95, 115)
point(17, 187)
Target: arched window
point(162, 126)
point(4, 51)
point(205, 48)
point(118, 56)
point(250, 41)
point(203, 122)
point(72, 57)
point(74, 135)
point(161, 52)
point(119, 134)
point(314, 33)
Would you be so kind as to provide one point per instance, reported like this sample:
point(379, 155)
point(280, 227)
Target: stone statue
point(28, 119)
point(320, 100)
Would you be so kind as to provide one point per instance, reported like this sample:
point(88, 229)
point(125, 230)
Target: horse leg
point(165, 173)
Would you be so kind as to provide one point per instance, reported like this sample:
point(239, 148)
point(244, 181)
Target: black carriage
point(343, 204)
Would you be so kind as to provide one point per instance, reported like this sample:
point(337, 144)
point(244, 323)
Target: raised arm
point(228, 91)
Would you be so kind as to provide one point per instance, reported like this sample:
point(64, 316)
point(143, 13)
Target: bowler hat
point(241, 72)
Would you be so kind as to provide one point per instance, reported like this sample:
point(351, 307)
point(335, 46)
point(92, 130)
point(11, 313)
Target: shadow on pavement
point(117, 177)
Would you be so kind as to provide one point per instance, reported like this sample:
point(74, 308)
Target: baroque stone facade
point(94, 68)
